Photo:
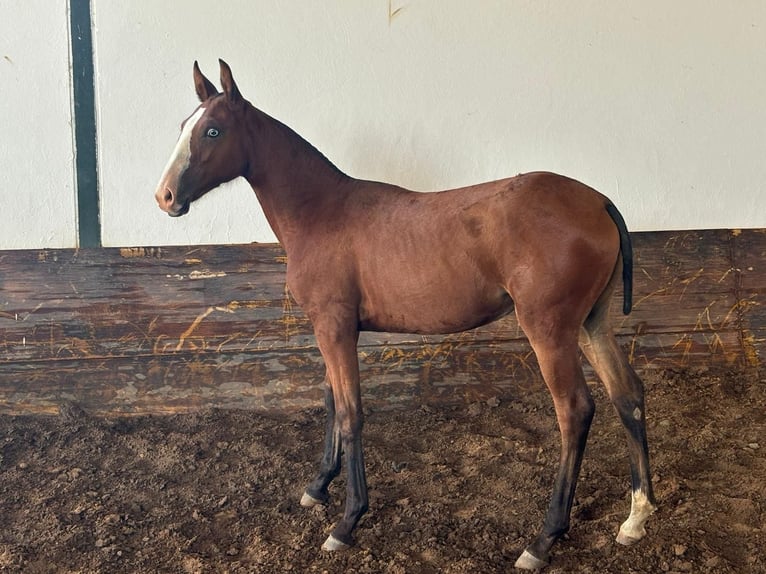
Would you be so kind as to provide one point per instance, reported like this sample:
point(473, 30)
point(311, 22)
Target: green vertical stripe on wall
point(86, 166)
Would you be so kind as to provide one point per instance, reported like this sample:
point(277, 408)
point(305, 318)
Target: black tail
point(626, 248)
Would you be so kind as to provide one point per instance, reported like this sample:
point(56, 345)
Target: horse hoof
point(309, 501)
point(629, 533)
point(332, 544)
point(626, 539)
point(529, 562)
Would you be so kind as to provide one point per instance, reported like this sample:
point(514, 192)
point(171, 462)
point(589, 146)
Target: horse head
point(210, 150)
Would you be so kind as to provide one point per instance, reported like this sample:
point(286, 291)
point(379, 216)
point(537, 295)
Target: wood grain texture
point(750, 256)
point(172, 329)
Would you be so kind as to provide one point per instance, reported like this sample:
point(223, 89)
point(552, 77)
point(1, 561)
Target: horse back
point(452, 260)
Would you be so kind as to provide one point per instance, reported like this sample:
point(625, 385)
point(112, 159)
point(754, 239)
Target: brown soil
point(453, 490)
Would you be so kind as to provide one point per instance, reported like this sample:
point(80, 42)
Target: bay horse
point(364, 255)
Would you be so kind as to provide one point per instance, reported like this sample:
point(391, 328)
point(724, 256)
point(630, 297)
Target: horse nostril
point(168, 197)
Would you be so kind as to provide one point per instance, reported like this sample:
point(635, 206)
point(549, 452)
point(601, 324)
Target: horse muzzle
point(168, 202)
point(183, 210)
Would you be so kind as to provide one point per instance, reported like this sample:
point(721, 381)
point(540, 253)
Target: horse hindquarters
point(553, 300)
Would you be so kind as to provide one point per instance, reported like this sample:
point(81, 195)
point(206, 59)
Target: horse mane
point(301, 147)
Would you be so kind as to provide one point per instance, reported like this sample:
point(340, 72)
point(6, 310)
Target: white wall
point(37, 193)
point(660, 105)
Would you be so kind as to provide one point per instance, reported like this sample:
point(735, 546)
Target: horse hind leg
point(562, 371)
point(626, 392)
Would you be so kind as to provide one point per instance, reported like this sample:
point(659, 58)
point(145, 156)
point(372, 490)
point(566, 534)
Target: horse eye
point(212, 133)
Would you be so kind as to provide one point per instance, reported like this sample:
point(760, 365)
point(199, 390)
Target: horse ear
point(204, 87)
point(229, 86)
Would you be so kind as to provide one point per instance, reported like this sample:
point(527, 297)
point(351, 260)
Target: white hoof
point(332, 544)
point(632, 530)
point(528, 562)
point(309, 501)
point(626, 539)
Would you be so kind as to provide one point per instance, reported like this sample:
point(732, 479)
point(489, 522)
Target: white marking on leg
point(632, 530)
point(637, 414)
point(181, 155)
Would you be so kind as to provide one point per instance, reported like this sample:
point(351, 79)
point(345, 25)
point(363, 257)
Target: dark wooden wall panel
point(178, 328)
point(750, 255)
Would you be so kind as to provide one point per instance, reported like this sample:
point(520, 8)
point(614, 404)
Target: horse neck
point(293, 181)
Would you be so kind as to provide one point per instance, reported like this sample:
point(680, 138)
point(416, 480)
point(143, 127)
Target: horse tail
point(626, 250)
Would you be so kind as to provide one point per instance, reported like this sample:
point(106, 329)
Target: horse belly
point(449, 309)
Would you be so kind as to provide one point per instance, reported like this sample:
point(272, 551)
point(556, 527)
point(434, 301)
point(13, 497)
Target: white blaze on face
point(179, 159)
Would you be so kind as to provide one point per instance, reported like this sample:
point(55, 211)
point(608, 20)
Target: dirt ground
point(456, 490)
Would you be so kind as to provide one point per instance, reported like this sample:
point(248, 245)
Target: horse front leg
point(356, 495)
point(344, 431)
point(316, 492)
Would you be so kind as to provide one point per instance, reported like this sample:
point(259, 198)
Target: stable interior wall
point(172, 329)
point(37, 192)
point(658, 105)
